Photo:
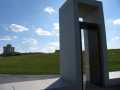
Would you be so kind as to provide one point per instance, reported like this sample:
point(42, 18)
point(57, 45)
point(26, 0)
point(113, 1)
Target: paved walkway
point(34, 82)
point(113, 75)
point(26, 82)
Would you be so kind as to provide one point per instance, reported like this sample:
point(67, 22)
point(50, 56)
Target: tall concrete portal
point(91, 12)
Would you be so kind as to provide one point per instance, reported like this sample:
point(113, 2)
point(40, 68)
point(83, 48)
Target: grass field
point(30, 64)
point(45, 63)
point(114, 60)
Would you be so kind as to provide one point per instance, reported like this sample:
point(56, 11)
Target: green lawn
point(114, 60)
point(45, 63)
point(30, 64)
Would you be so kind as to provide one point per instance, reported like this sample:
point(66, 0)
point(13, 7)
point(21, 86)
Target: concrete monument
point(71, 58)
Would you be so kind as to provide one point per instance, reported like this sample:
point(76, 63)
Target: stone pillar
point(8, 50)
point(4, 50)
point(70, 44)
point(12, 49)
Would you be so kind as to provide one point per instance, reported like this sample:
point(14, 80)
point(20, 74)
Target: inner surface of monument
point(91, 53)
point(91, 25)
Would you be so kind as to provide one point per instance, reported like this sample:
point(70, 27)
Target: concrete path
point(34, 82)
point(114, 75)
point(26, 82)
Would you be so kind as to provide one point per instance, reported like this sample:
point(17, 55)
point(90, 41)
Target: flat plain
point(43, 64)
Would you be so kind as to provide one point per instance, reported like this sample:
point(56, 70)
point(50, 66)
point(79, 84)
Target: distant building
point(57, 51)
point(8, 50)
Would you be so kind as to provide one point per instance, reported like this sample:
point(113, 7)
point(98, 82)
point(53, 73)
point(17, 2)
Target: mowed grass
point(30, 64)
point(42, 64)
point(113, 60)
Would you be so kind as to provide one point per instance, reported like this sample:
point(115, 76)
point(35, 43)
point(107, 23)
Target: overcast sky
point(33, 25)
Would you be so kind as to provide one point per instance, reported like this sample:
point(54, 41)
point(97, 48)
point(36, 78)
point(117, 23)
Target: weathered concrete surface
point(5, 78)
point(40, 82)
point(27, 82)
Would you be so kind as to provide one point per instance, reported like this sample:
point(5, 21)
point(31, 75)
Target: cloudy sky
point(33, 25)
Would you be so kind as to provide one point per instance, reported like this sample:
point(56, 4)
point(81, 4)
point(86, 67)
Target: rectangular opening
point(84, 65)
point(91, 56)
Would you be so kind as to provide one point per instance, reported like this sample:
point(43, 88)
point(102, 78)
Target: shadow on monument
point(63, 85)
